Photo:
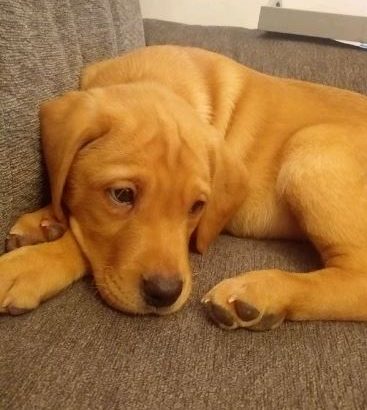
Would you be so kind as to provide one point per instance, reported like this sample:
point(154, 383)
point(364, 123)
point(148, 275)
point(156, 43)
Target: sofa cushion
point(304, 58)
point(74, 352)
point(43, 46)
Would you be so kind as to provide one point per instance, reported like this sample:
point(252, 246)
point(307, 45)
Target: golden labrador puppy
point(166, 142)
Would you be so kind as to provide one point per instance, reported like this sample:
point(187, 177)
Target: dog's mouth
point(152, 294)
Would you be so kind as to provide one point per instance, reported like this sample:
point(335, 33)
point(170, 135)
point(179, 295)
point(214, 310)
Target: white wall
point(242, 13)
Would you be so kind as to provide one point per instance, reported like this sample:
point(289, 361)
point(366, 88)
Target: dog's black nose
point(160, 291)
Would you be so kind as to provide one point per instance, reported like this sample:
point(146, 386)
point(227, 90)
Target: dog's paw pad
point(48, 230)
point(19, 298)
point(219, 314)
point(16, 311)
point(245, 311)
point(255, 301)
point(52, 230)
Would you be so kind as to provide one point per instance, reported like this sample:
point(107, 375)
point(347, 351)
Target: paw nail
point(15, 311)
point(45, 223)
point(205, 300)
point(52, 230)
point(245, 311)
point(232, 299)
point(220, 315)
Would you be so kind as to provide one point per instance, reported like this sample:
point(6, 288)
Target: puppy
point(168, 143)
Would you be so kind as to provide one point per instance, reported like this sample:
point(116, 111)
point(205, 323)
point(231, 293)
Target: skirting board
point(313, 23)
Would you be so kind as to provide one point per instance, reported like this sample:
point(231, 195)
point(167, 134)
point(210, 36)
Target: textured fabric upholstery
point(43, 46)
point(74, 352)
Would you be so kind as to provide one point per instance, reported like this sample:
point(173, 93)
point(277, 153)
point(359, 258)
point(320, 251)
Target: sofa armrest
point(43, 47)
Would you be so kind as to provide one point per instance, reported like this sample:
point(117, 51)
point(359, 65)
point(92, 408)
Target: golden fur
point(270, 157)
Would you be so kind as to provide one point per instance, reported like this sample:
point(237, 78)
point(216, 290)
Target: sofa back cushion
point(43, 46)
point(285, 55)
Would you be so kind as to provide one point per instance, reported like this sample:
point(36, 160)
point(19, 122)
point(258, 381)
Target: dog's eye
point(197, 207)
point(124, 196)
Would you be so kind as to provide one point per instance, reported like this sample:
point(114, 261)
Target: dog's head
point(137, 173)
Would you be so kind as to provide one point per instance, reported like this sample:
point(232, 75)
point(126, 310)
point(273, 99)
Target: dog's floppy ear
point(228, 192)
point(68, 123)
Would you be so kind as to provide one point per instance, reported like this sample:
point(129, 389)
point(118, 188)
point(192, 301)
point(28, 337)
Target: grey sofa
point(74, 352)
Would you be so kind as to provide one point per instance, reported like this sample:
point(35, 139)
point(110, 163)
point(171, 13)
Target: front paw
point(18, 293)
point(256, 301)
point(34, 228)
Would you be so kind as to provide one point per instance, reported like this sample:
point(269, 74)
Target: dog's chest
point(263, 215)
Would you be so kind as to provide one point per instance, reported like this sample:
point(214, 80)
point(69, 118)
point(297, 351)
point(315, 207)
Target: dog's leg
point(32, 274)
point(35, 227)
point(326, 188)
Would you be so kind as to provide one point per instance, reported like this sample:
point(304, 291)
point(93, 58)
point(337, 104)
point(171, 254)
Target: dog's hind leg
point(323, 180)
point(35, 227)
point(31, 274)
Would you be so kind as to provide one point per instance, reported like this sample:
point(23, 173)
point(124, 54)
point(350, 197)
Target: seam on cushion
point(60, 41)
point(77, 36)
point(115, 47)
point(8, 168)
